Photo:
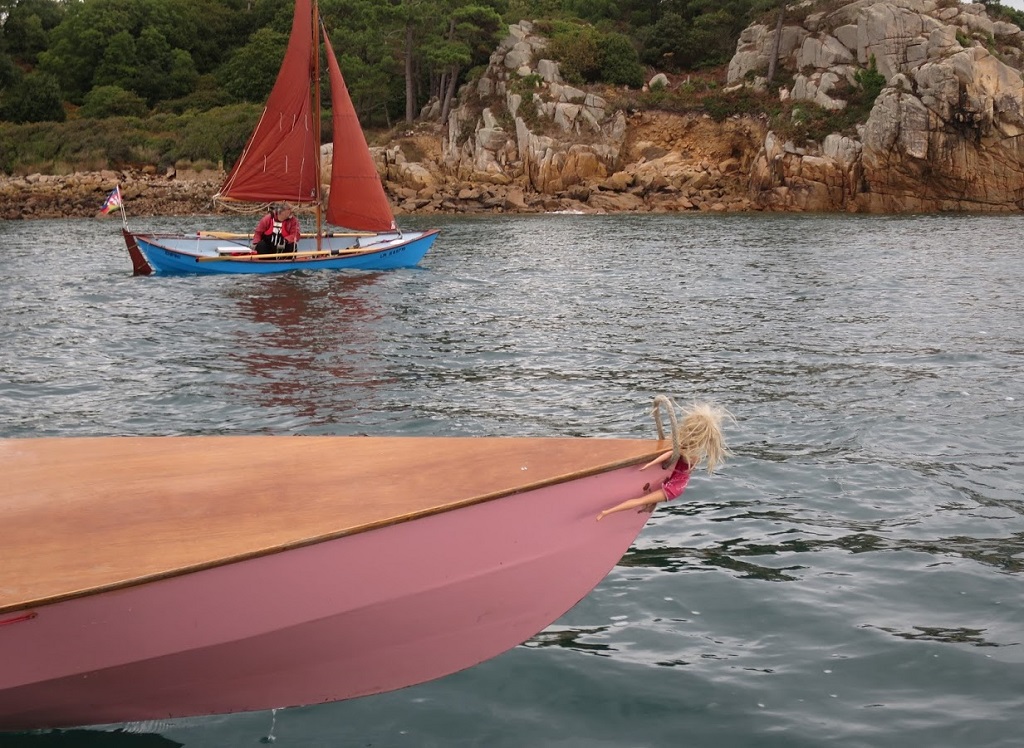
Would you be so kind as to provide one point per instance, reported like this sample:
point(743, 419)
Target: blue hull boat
point(214, 255)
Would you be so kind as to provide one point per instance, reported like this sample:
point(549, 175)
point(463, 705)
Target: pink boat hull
point(352, 616)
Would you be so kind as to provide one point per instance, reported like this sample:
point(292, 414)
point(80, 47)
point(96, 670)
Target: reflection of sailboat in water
point(315, 330)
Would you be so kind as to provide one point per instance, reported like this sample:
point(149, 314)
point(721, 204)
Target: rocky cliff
point(945, 132)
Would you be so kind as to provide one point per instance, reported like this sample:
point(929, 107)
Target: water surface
point(850, 578)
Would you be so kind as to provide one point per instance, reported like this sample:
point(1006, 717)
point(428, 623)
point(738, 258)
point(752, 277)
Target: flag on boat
point(113, 201)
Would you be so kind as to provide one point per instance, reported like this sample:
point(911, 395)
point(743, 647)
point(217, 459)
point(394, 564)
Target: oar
point(321, 253)
point(230, 235)
point(223, 235)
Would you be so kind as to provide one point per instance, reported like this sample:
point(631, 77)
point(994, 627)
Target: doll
point(700, 440)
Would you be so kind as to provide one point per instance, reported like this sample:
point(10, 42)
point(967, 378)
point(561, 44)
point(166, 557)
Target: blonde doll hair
point(700, 435)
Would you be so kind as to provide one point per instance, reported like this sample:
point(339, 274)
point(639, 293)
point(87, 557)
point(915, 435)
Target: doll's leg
point(649, 500)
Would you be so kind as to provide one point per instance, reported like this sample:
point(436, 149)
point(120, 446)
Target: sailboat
point(281, 163)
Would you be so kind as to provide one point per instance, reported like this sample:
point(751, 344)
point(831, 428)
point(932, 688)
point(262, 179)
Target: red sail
point(357, 199)
point(280, 160)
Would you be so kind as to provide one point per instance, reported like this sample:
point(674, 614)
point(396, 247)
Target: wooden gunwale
point(317, 254)
point(87, 515)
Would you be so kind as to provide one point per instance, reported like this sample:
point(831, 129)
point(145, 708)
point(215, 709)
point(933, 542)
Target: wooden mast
point(316, 124)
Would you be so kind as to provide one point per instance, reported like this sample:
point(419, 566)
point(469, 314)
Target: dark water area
point(852, 577)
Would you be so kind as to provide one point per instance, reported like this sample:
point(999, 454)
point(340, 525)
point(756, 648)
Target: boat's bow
point(156, 577)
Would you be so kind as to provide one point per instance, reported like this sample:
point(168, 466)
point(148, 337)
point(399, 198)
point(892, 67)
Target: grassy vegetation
point(193, 139)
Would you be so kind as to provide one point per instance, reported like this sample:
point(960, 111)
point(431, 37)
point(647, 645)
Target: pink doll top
point(675, 484)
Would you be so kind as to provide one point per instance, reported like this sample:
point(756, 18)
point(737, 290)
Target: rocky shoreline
point(658, 182)
point(81, 195)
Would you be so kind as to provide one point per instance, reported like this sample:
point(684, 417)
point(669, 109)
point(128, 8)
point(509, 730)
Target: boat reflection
point(308, 352)
point(86, 739)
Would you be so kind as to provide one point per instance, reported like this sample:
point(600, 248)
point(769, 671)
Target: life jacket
point(276, 238)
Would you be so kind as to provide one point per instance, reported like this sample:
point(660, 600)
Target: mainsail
point(281, 159)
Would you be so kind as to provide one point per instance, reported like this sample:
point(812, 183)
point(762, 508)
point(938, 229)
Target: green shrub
point(870, 80)
point(524, 84)
point(198, 142)
point(802, 121)
point(660, 98)
point(588, 55)
point(620, 63)
point(528, 113)
point(1005, 13)
point(681, 41)
point(207, 95)
point(103, 102)
point(578, 52)
point(721, 105)
point(862, 99)
point(229, 127)
point(9, 72)
point(251, 70)
point(35, 97)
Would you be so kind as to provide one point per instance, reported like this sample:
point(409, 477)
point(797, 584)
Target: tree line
point(104, 58)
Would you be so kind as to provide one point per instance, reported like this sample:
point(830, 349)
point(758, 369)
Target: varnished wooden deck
point(80, 515)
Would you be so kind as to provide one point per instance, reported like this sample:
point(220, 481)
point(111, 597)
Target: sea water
point(852, 577)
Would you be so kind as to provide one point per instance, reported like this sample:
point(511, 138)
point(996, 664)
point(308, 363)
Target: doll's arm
point(656, 460)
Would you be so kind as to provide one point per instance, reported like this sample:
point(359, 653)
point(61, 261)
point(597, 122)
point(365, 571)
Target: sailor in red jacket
point(277, 232)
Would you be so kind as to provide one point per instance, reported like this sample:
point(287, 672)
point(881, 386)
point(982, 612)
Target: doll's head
point(700, 436)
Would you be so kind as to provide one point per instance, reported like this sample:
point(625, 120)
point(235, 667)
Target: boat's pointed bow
point(140, 266)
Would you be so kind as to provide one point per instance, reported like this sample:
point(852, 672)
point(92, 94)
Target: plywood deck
point(79, 515)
